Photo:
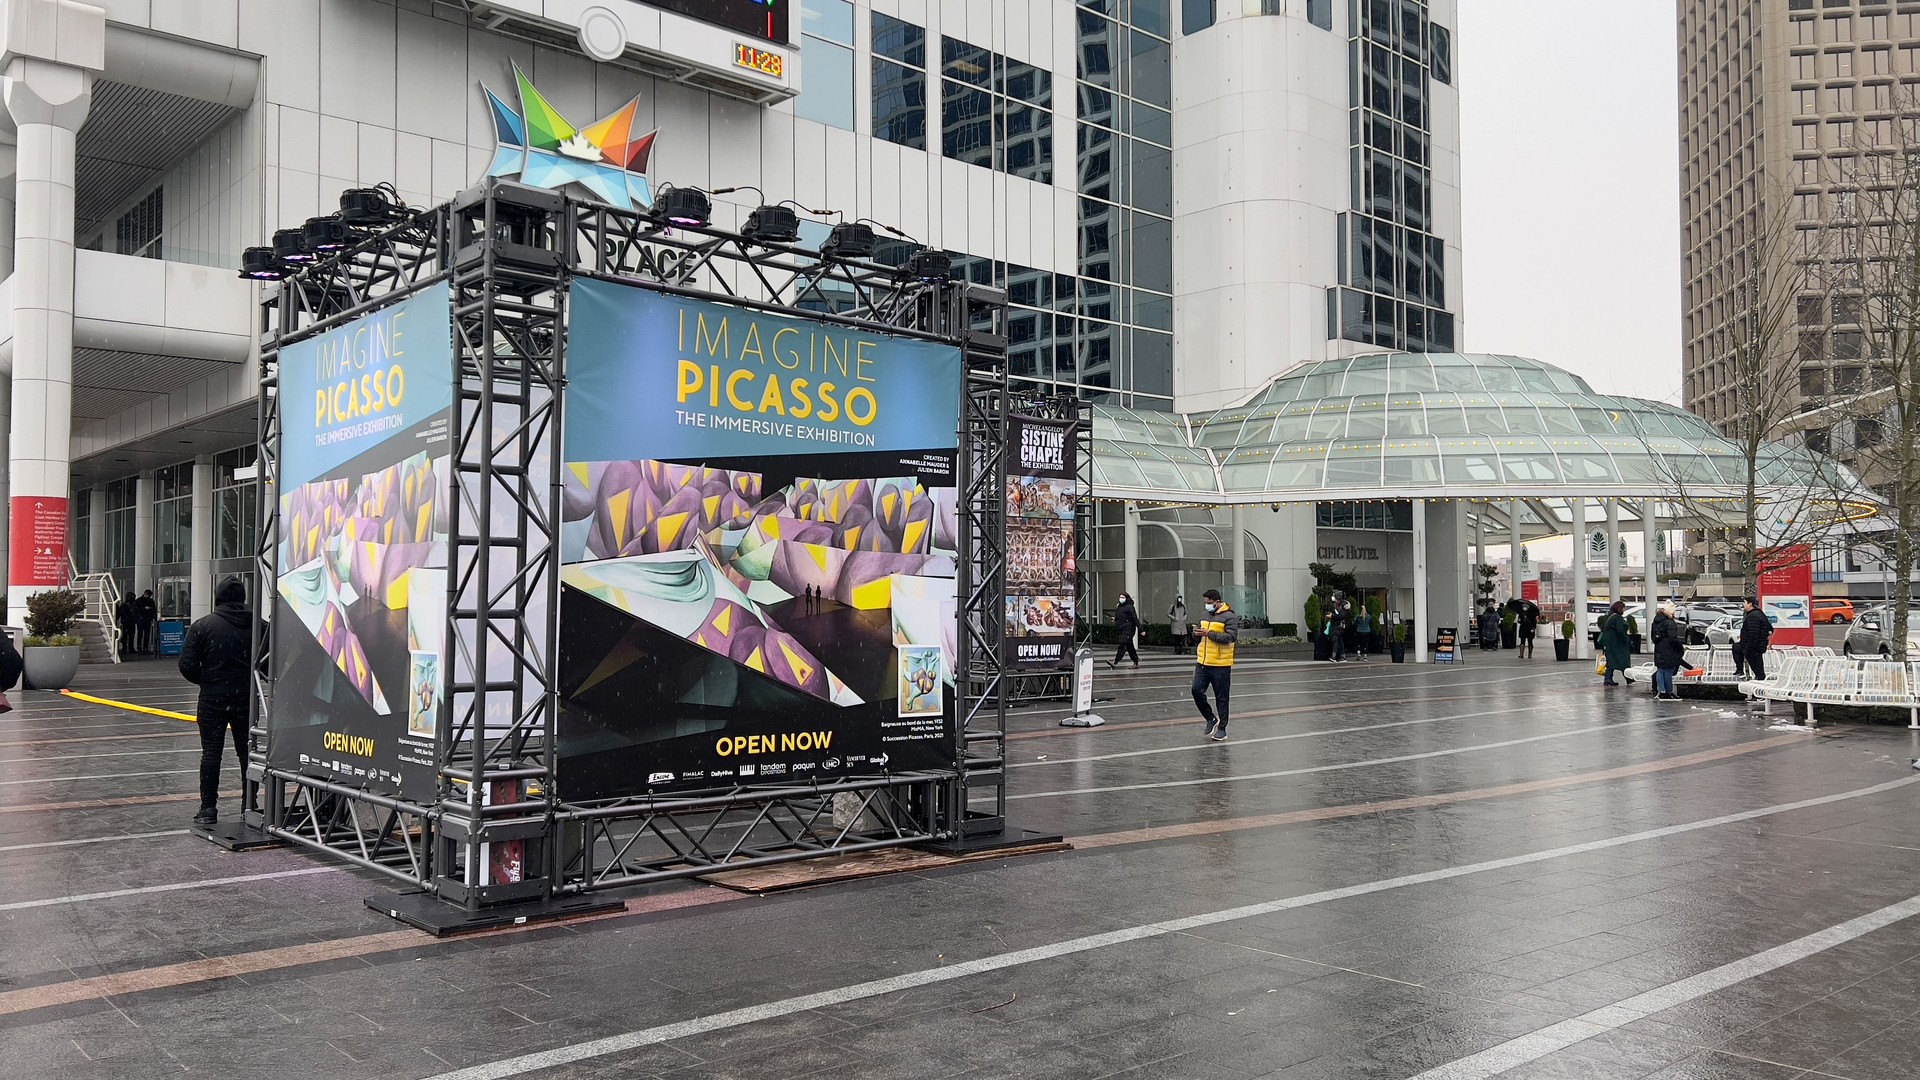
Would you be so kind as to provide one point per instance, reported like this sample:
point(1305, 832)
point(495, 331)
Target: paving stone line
point(271, 959)
point(1538, 1044)
point(732, 1018)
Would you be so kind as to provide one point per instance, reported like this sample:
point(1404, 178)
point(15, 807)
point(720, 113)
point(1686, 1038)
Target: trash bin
point(171, 635)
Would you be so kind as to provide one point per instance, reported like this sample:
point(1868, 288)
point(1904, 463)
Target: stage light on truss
point(370, 206)
point(851, 240)
point(772, 224)
point(327, 234)
point(261, 264)
point(291, 246)
point(930, 265)
point(687, 207)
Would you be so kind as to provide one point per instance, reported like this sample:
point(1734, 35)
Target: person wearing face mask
point(1215, 637)
point(1127, 618)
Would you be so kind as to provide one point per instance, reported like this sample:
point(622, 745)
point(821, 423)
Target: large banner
point(759, 547)
point(1786, 592)
point(361, 607)
point(1042, 490)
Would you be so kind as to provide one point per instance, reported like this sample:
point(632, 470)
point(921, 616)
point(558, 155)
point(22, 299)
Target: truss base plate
point(424, 911)
point(1083, 720)
point(1012, 836)
point(236, 836)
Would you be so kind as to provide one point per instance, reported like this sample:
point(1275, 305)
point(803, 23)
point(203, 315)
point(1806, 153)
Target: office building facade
point(1182, 198)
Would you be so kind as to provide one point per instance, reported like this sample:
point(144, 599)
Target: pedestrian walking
point(1756, 630)
point(1127, 618)
point(1669, 651)
point(1177, 620)
point(1529, 628)
point(145, 613)
point(1215, 637)
point(1615, 643)
point(1362, 632)
point(1337, 627)
point(123, 619)
point(218, 658)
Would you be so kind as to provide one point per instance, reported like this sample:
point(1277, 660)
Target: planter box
point(1562, 648)
point(51, 667)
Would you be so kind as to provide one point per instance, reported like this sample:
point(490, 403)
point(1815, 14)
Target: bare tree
point(1775, 262)
point(1876, 419)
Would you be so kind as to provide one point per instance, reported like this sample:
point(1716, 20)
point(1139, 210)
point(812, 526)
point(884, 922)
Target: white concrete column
point(1514, 540)
point(1420, 583)
point(143, 486)
point(97, 529)
point(1577, 508)
point(1649, 540)
point(54, 47)
point(1239, 549)
point(1613, 550)
point(1479, 559)
point(1130, 551)
point(7, 159)
point(200, 586)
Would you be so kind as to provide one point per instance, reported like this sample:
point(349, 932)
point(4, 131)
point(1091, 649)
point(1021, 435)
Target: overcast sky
point(1569, 134)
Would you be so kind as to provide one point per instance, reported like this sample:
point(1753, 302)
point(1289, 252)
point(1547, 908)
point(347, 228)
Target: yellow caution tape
point(130, 707)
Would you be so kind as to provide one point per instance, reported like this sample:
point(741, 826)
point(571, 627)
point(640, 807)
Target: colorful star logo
point(539, 148)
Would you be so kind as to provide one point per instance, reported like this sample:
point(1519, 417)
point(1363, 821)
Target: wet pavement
point(1387, 871)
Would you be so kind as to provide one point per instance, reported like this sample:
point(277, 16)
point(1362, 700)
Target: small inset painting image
point(921, 691)
point(423, 695)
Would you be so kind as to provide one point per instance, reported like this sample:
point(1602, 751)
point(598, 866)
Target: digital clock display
point(760, 60)
point(763, 19)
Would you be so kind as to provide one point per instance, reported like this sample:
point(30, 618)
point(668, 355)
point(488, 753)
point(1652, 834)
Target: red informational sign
point(1786, 592)
point(1530, 590)
point(37, 541)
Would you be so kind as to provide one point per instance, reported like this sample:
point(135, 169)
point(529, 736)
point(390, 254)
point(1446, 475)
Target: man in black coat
point(145, 613)
point(218, 657)
point(1755, 632)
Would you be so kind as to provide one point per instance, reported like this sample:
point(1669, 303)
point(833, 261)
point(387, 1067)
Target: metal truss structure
point(508, 254)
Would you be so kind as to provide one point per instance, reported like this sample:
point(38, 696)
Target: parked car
point(1836, 610)
point(1721, 631)
point(1872, 634)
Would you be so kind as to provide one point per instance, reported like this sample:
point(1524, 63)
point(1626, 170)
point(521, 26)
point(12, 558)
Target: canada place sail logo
point(539, 148)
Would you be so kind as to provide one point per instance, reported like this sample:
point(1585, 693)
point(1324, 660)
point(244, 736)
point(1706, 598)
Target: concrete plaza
point(1495, 869)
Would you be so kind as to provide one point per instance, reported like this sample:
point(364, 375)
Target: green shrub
point(1566, 629)
point(1509, 621)
point(50, 617)
point(1314, 613)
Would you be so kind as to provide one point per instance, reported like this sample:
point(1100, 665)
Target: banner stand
point(1083, 714)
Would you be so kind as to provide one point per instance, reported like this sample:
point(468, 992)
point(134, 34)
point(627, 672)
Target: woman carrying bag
point(1615, 644)
point(1177, 617)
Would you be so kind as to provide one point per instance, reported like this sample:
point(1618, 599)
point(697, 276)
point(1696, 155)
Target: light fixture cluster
point(362, 210)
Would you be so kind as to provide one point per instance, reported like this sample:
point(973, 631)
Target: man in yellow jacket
point(1215, 634)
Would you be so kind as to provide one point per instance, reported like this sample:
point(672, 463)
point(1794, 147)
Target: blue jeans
point(1663, 680)
point(1221, 679)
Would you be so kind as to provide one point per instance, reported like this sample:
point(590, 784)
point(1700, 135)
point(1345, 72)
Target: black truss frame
point(508, 254)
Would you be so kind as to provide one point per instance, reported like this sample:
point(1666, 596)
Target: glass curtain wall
point(1392, 265)
point(121, 554)
point(236, 516)
point(172, 537)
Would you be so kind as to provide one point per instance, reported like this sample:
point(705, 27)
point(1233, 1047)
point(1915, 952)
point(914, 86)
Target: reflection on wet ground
point(1387, 871)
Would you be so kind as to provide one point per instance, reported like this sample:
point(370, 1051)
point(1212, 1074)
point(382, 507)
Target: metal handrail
point(102, 595)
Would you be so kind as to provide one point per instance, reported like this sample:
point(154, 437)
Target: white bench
point(1716, 666)
point(1830, 680)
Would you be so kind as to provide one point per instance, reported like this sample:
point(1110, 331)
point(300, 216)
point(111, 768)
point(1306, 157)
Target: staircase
point(97, 629)
point(96, 647)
